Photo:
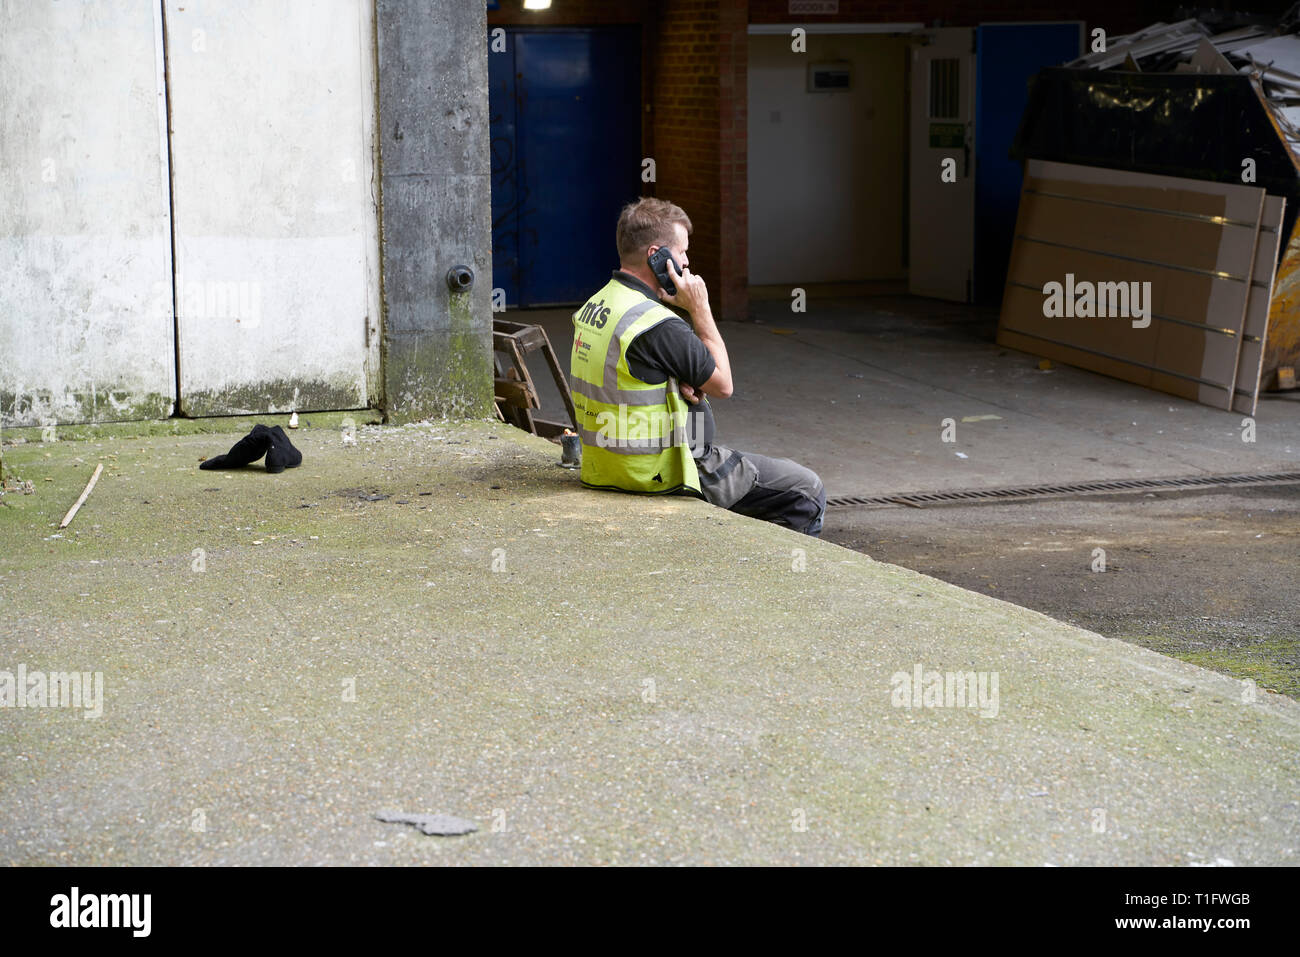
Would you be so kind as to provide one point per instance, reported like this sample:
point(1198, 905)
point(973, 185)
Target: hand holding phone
point(659, 266)
point(681, 288)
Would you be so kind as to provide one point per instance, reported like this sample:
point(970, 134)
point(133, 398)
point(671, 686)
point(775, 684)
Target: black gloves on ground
point(273, 443)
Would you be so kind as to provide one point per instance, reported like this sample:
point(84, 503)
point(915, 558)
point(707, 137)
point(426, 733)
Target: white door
point(85, 245)
point(941, 231)
point(272, 108)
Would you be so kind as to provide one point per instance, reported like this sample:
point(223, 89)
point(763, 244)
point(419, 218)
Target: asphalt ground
point(1211, 577)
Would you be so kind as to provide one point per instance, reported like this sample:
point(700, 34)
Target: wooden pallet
point(516, 395)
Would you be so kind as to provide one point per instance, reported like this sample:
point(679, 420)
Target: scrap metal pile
point(1267, 53)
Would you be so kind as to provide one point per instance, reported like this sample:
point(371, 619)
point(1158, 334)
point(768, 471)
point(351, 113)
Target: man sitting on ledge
point(641, 379)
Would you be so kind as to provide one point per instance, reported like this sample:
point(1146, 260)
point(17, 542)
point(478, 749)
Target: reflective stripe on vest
point(633, 432)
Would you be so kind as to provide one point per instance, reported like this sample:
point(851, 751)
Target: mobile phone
point(659, 266)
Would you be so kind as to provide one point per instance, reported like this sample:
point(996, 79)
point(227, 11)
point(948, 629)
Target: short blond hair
point(647, 222)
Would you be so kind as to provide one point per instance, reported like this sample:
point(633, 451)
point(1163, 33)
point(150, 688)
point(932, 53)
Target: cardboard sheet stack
point(1208, 249)
point(1160, 281)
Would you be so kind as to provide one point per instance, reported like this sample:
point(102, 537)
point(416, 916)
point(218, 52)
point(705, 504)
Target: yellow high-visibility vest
point(633, 432)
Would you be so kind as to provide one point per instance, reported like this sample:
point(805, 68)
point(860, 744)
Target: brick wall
point(568, 13)
point(1115, 16)
point(699, 137)
point(733, 143)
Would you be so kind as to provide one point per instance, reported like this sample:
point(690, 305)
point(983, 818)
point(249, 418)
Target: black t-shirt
point(671, 348)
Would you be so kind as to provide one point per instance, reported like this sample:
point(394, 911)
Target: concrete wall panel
point(85, 259)
point(274, 204)
point(436, 187)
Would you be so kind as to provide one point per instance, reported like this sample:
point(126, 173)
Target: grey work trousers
point(775, 490)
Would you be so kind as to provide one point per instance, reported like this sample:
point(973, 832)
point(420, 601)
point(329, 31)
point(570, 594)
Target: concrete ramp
point(438, 620)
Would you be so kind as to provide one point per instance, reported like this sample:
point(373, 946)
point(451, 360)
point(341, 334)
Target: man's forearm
point(707, 330)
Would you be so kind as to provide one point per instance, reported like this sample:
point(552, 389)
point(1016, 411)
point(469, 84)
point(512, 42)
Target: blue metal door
point(566, 155)
point(1007, 55)
point(505, 173)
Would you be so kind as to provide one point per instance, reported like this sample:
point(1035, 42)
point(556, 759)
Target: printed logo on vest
point(593, 314)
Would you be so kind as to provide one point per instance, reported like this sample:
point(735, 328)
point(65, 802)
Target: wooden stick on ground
point(84, 495)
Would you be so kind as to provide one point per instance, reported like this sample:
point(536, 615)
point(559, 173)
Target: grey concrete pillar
point(436, 207)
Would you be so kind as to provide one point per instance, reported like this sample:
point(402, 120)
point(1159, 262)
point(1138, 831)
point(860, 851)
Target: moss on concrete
point(469, 360)
point(282, 395)
point(1273, 663)
point(183, 426)
point(34, 409)
point(439, 376)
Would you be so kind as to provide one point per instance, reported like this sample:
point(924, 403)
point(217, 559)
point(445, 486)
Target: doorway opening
point(828, 162)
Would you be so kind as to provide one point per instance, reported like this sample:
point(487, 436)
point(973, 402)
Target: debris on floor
point(15, 484)
point(81, 500)
point(440, 825)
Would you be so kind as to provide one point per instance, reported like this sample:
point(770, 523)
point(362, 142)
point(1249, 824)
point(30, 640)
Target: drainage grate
point(976, 496)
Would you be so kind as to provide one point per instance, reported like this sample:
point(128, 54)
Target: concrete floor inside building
point(857, 389)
